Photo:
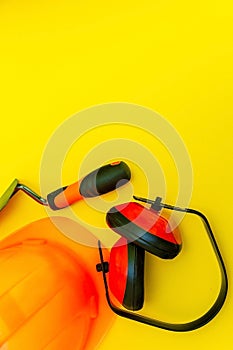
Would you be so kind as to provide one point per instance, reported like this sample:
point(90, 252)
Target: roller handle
point(98, 182)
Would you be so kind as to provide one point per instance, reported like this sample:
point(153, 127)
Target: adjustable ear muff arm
point(179, 327)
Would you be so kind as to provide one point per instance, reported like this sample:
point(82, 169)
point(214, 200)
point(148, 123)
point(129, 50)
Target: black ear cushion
point(134, 292)
point(144, 239)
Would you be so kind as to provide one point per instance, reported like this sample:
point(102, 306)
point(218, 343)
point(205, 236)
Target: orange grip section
point(69, 196)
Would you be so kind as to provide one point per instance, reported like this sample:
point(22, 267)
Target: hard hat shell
point(51, 296)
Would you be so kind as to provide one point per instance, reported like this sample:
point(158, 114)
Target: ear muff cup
point(126, 274)
point(146, 228)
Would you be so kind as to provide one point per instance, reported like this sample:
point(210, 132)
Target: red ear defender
point(146, 228)
point(141, 229)
point(126, 274)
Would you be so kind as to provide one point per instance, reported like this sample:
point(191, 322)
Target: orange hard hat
point(50, 294)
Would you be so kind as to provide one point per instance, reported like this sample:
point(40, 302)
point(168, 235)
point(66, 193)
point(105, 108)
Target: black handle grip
point(105, 179)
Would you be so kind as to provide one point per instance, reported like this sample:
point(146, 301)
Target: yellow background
point(59, 57)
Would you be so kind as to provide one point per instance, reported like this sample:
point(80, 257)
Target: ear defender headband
point(143, 230)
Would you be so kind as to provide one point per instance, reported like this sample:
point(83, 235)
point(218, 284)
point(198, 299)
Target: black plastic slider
point(157, 204)
point(103, 267)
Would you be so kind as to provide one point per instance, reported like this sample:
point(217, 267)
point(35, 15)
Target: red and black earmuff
point(143, 230)
point(146, 228)
point(126, 274)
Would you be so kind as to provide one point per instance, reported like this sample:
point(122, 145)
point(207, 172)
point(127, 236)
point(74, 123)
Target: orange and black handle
point(100, 181)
